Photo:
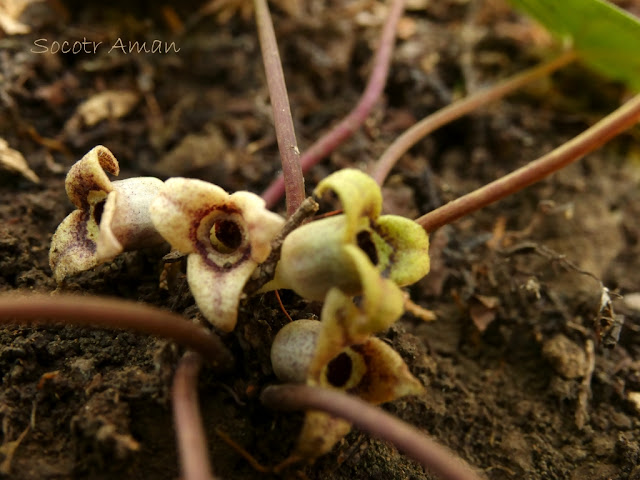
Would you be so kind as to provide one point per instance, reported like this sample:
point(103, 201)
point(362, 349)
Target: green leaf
point(606, 37)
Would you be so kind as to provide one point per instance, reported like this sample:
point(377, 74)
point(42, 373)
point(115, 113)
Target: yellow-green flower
point(358, 252)
point(356, 263)
point(371, 370)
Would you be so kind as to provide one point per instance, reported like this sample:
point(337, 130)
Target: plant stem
point(192, 440)
point(283, 122)
point(114, 314)
point(459, 108)
point(374, 420)
point(592, 138)
point(267, 269)
point(343, 130)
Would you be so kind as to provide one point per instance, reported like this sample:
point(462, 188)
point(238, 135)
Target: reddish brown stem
point(374, 420)
point(600, 133)
point(115, 314)
point(341, 132)
point(459, 108)
point(283, 122)
point(191, 438)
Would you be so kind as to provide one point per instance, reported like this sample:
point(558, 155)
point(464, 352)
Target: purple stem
point(293, 182)
point(433, 456)
point(191, 438)
point(115, 314)
point(594, 137)
point(462, 107)
point(341, 132)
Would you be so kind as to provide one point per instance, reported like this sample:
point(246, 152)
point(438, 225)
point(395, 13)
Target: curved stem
point(459, 108)
point(192, 440)
point(114, 314)
point(343, 130)
point(285, 133)
point(374, 420)
point(592, 138)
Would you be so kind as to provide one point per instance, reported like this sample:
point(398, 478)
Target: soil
point(505, 364)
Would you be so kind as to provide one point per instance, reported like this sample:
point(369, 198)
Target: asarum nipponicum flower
point(225, 237)
point(371, 370)
point(319, 255)
point(358, 254)
point(111, 217)
point(356, 262)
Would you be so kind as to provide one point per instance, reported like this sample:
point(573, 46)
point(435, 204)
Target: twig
point(267, 269)
point(285, 133)
point(257, 466)
point(343, 130)
point(374, 420)
point(592, 138)
point(190, 435)
point(8, 449)
point(460, 108)
point(115, 314)
point(584, 392)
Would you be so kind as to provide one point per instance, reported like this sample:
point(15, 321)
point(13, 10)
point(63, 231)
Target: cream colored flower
point(225, 237)
point(111, 217)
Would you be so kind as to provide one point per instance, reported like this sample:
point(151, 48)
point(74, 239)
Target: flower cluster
point(354, 262)
point(224, 236)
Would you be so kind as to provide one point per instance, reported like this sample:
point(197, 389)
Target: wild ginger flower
point(359, 252)
point(371, 370)
point(355, 262)
point(225, 237)
point(111, 217)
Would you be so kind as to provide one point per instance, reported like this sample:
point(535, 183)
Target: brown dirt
point(504, 362)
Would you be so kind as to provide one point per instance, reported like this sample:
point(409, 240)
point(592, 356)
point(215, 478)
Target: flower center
point(225, 236)
point(346, 370)
point(98, 210)
point(366, 244)
point(339, 370)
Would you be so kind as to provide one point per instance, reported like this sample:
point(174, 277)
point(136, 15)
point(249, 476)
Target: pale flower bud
point(293, 349)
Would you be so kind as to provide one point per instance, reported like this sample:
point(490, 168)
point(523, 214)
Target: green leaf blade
point(606, 37)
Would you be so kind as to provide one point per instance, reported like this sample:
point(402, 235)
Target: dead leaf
point(483, 311)
point(102, 106)
point(13, 160)
point(108, 104)
point(10, 12)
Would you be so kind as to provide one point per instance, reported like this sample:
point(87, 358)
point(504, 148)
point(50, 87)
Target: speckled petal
point(377, 375)
point(88, 174)
point(73, 246)
point(359, 195)
point(180, 207)
point(384, 376)
point(217, 290)
point(407, 257)
point(126, 222)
